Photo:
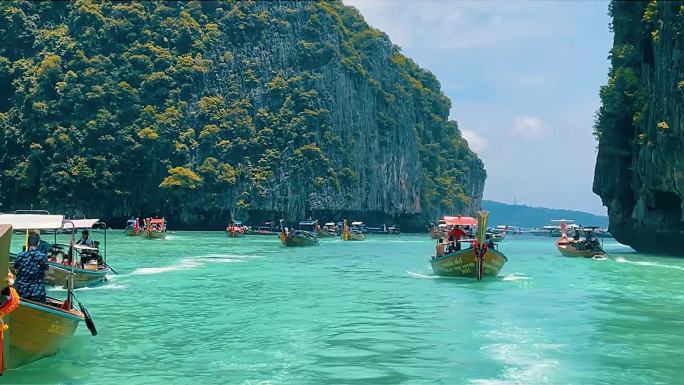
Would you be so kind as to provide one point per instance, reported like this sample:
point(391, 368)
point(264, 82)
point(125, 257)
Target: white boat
point(553, 229)
point(358, 226)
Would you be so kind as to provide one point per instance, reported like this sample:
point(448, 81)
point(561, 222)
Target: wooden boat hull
point(567, 249)
point(261, 232)
point(131, 233)
point(57, 275)
point(295, 240)
point(155, 235)
point(37, 331)
point(463, 263)
point(325, 234)
point(235, 234)
point(354, 237)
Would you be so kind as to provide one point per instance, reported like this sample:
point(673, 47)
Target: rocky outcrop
point(206, 111)
point(640, 165)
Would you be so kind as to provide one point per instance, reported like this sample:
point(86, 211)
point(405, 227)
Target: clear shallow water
point(203, 308)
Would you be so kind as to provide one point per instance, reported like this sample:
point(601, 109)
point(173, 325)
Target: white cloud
point(528, 127)
point(476, 143)
point(461, 24)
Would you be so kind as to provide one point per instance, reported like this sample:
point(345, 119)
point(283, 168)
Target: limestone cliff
point(640, 165)
point(205, 110)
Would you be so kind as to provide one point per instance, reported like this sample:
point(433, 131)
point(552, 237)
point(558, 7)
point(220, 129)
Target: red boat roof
point(460, 221)
point(157, 220)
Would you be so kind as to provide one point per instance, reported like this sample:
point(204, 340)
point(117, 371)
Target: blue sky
point(523, 78)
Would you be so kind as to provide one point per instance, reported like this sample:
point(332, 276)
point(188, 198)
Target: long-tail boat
point(80, 265)
point(498, 234)
point(304, 236)
point(155, 228)
point(133, 227)
point(351, 234)
point(439, 230)
point(235, 229)
point(89, 271)
point(589, 247)
point(89, 268)
point(327, 230)
point(36, 330)
point(268, 228)
point(478, 261)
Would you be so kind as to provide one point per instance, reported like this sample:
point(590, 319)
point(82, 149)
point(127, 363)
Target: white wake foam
point(103, 287)
point(648, 263)
point(515, 277)
point(423, 276)
point(182, 265)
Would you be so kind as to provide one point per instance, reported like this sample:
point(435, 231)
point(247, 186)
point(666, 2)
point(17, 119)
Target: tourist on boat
point(576, 235)
point(440, 248)
point(85, 239)
point(42, 245)
point(455, 235)
point(30, 266)
point(490, 242)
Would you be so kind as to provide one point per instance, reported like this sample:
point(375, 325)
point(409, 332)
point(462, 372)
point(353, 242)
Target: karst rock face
point(203, 111)
point(640, 165)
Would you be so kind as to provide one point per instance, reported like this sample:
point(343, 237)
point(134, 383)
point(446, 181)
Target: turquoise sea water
point(201, 308)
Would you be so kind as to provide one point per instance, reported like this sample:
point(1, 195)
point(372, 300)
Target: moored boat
point(268, 228)
point(553, 229)
point(304, 236)
point(235, 230)
point(384, 229)
point(133, 227)
point(327, 230)
point(498, 234)
point(155, 228)
point(351, 233)
point(36, 330)
point(439, 230)
point(478, 261)
point(540, 232)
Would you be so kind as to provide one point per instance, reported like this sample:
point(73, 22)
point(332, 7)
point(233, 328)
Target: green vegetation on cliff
point(193, 108)
point(640, 169)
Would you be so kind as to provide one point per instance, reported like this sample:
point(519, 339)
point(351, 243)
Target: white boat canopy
point(329, 224)
point(568, 221)
point(32, 221)
point(80, 223)
point(357, 223)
